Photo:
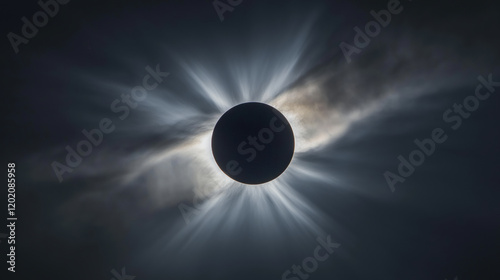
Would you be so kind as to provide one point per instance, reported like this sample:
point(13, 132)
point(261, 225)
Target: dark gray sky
point(120, 207)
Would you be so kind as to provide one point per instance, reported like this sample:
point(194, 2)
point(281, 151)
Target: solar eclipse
point(253, 143)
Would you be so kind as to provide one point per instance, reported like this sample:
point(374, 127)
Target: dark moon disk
point(253, 143)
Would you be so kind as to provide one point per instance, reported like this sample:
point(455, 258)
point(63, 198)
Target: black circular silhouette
point(253, 143)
